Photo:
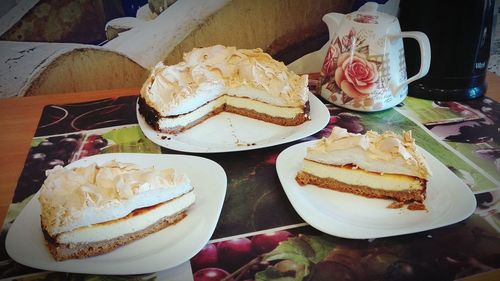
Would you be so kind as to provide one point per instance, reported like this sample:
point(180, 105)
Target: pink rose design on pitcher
point(355, 75)
point(330, 60)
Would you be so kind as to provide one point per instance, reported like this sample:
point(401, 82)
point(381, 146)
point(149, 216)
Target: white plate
point(159, 251)
point(227, 132)
point(346, 215)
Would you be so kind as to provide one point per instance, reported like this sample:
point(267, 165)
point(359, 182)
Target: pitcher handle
point(425, 53)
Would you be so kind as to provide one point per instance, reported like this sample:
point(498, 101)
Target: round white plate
point(159, 251)
point(227, 132)
point(347, 215)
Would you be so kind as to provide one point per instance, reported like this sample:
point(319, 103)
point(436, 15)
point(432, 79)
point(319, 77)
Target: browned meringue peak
point(207, 73)
point(385, 153)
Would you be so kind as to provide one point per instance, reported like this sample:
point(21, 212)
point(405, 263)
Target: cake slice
point(372, 165)
point(92, 210)
point(219, 79)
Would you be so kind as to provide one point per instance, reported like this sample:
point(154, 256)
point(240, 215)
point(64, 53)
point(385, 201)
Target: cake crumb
point(395, 205)
point(416, 206)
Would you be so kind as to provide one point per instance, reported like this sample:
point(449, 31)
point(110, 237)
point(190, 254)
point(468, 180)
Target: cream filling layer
point(111, 230)
point(360, 177)
point(246, 103)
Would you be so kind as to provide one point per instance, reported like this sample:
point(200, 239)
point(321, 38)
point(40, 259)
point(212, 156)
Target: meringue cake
point(373, 165)
point(219, 79)
point(92, 210)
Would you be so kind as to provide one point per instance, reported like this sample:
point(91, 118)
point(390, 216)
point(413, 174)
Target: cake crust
point(406, 196)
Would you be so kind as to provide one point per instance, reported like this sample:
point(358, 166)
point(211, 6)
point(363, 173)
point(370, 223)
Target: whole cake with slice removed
point(92, 210)
point(373, 165)
point(219, 79)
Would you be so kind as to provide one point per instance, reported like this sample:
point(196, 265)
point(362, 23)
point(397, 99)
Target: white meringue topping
point(382, 153)
point(207, 73)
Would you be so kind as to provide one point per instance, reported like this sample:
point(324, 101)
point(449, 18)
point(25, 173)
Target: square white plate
point(347, 215)
point(227, 132)
point(158, 251)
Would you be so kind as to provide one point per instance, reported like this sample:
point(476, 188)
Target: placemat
point(256, 212)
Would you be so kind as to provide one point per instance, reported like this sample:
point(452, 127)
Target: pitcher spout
point(332, 21)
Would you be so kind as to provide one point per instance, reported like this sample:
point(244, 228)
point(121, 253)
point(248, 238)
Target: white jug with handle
point(364, 68)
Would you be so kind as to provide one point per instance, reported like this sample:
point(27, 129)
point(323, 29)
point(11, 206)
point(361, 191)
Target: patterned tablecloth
point(256, 214)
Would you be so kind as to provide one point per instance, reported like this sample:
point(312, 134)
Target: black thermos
point(460, 34)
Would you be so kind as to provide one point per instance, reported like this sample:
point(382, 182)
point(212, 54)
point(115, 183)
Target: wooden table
point(19, 118)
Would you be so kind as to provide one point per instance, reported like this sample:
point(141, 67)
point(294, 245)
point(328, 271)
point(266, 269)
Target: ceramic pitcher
point(364, 68)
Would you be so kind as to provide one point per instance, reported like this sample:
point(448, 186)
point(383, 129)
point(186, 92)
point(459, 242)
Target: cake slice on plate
point(219, 79)
point(92, 210)
point(373, 165)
